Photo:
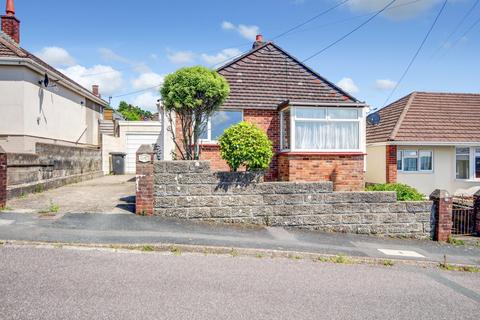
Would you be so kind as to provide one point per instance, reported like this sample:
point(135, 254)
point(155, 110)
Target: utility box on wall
point(118, 163)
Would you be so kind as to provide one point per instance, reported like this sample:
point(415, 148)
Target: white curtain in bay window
point(311, 135)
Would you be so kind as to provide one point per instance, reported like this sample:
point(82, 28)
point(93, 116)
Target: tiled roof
point(267, 76)
point(429, 117)
point(10, 49)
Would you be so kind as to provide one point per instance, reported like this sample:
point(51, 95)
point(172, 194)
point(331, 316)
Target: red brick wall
point(269, 121)
point(3, 178)
point(144, 196)
point(11, 27)
point(391, 164)
point(345, 171)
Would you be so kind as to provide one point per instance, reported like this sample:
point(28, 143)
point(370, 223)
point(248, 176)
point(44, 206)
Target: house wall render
point(189, 190)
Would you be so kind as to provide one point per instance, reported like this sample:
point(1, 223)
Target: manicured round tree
point(247, 145)
point(193, 94)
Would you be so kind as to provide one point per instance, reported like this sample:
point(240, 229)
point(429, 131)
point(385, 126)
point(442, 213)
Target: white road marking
point(6, 222)
point(401, 253)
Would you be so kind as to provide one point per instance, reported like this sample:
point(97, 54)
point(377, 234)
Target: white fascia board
point(140, 123)
point(424, 143)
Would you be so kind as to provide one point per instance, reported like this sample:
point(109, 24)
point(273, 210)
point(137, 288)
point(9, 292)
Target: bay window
point(467, 163)
point(321, 129)
point(219, 122)
point(415, 160)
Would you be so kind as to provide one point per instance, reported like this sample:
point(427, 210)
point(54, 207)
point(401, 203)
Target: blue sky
point(128, 46)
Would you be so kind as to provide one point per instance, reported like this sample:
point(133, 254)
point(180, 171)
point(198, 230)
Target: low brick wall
point(189, 190)
point(51, 166)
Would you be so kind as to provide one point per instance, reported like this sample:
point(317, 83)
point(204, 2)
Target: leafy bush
point(245, 144)
point(404, 192)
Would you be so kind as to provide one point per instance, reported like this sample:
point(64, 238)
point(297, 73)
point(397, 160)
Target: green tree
point(192, 94)
point(247, 145)
point(133, 113)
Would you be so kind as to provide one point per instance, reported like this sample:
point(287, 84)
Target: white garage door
point(134, 141)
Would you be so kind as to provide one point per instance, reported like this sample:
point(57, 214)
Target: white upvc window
point(415, 160)
point(218, 123)
point(467, 163)
point(322, 129)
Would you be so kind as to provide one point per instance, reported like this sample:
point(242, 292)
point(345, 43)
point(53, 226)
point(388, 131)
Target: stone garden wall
point(189, 190)
point(51, 166)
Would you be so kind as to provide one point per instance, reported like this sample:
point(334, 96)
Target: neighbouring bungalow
point(317, 129)
point(58, 111)
point(49, 129)
point(428, 141)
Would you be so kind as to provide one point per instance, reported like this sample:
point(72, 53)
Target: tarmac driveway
point(108, 194)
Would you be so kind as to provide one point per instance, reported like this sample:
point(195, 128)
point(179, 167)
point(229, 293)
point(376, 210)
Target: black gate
point(463, 218)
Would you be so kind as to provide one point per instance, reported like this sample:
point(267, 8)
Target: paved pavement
point(40, 283)
point(108, 194)
point(133, 229)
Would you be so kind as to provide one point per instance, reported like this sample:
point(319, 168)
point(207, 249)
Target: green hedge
point(404, 192)
point(244, 144)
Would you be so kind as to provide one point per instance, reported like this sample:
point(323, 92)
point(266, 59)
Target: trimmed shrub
point(404, 192)
point(244, 144)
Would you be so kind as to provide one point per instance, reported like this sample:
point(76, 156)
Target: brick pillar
point(3, 178)
point(476, 206)
point(442, 206)
point(391, 164)
point(144, 180)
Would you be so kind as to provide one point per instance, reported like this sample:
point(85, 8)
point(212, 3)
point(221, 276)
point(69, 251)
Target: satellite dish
point(45, 81)
point(373, 119)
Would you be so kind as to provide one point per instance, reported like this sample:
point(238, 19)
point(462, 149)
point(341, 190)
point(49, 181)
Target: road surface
point(61, 283)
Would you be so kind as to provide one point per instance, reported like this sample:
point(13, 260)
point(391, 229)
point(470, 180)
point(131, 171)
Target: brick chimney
point(258, 41)
point(95, 90)
point(10, 24)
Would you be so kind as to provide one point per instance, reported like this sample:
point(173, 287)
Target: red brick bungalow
point(317, 129)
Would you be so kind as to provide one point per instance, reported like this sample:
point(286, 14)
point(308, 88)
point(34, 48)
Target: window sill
point(468, 180)
point(324, 153)
point(415, 172)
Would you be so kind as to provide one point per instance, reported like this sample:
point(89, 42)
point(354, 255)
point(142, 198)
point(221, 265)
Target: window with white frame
point(219, 122)
point(467, 163)
point(321, 129)
point(415, 160)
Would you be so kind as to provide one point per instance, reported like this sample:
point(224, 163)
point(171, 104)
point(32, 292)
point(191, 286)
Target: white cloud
point(227, 25)
point(401, 9)
point(181, 57)
point(147, 101)
point(222, 56)
point(248, 32)
point(56, 56)
point(385, 84)
point(348, 85)
point(106, 77)
point(147, 80)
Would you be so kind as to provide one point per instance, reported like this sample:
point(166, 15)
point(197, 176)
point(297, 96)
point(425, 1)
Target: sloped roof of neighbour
point(9, 49)
point(429, 117)
point(267, 76)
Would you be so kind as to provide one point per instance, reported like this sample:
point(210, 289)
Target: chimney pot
point(10, 8)
point(258, 41)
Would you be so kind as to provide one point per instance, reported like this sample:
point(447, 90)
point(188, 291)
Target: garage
point(134, 141)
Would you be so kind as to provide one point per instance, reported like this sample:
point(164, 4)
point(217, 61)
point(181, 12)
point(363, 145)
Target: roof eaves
point(402, 117)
